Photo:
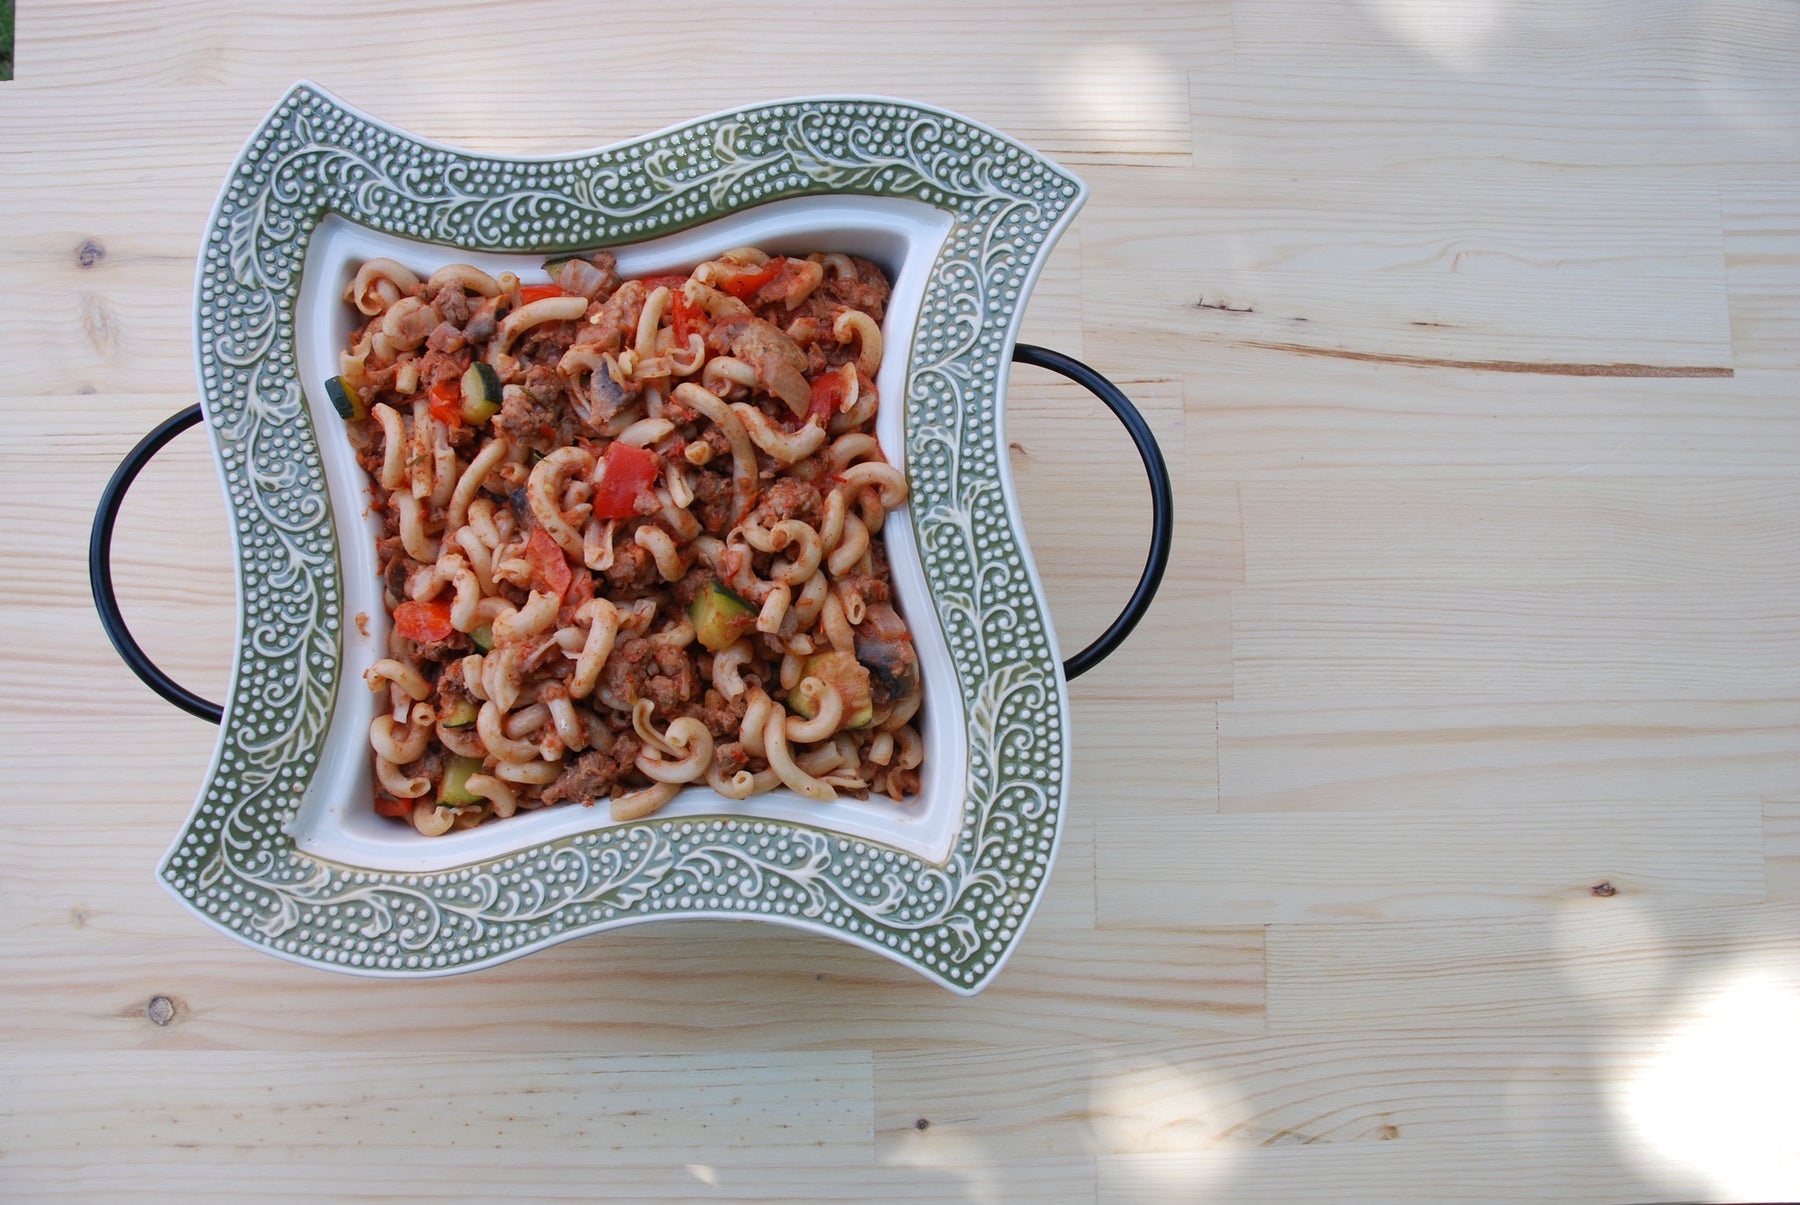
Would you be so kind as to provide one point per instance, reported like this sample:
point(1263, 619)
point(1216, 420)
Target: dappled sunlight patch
point(1717, 1096)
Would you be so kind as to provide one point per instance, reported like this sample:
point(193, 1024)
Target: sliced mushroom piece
point(778, 362)
point(885, 647)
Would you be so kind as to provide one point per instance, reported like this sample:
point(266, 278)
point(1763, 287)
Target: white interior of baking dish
point(336, 821)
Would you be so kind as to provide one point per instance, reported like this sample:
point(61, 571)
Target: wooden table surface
point(1437, 837)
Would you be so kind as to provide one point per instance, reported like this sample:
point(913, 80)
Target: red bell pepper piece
point(628, 472)
point(828, 394)
point(549, 567)
point(388, 806)
point(531, 293)
point(744, 286)
point(423, 622)
point(446, 403)
point(687, 318)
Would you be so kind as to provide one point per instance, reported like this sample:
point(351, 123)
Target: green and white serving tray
point(283, 850)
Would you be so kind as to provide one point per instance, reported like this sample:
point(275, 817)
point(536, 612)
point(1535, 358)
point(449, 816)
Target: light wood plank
point(1123, 767)
point(112, 332)
point(168, 752)
point(1781, 832)
point(1465, 645)
point(1762, 271)
point(1741, 536)
point(1233, 1117)
point(1181, 653)
point(1528, 859)
point(575, 1110)
point(1497, 1170)
point(1355, 1090)
point(764, 988)
point(1091, 556)
point(1575, 42)
point(1605, 959)
point(1053, 75)
point(1496, 224)
point(1275, 416)
point(211, 1175)
point(1456, 758)
point(171, 544)
point(81, 440)
point(1513, 270)
point(195, 649)
point(1067, 905)
point(173, 576)
point(172, 566)
point(1059, 435)
point(1349, 114)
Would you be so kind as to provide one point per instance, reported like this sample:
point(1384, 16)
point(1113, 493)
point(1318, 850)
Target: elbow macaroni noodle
point(647, 564)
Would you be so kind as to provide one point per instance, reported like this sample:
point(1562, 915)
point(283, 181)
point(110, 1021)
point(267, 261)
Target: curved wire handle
point(100, 569)
point(1162, 500)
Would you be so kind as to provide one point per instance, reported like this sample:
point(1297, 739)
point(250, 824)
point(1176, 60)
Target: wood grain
point(1561, 1172)
point(1241, 1095)
point(1462, 757)
point(1468, 645)
point(1055, 78)
point(1662, 535)
point(1576, 41)
point(1411, 865)
point(1607, 959)
point(349, 1177)
point(1058, 434)
point(1762, 267)
point(1398, 103)
point(1781, 833)
point(1451, 270)
point(593, 1109)
point(1437, 836)
point(1259, 415)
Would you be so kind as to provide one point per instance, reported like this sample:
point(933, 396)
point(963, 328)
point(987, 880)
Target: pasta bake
point(630, 536)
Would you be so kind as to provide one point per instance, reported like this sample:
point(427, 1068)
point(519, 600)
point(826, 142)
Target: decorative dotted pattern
point(234, 863)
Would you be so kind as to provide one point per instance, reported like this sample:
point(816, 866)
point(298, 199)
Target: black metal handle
point(1162, 499)
point(100, 569)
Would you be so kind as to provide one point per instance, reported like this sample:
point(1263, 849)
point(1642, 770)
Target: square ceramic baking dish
point(282, 849)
